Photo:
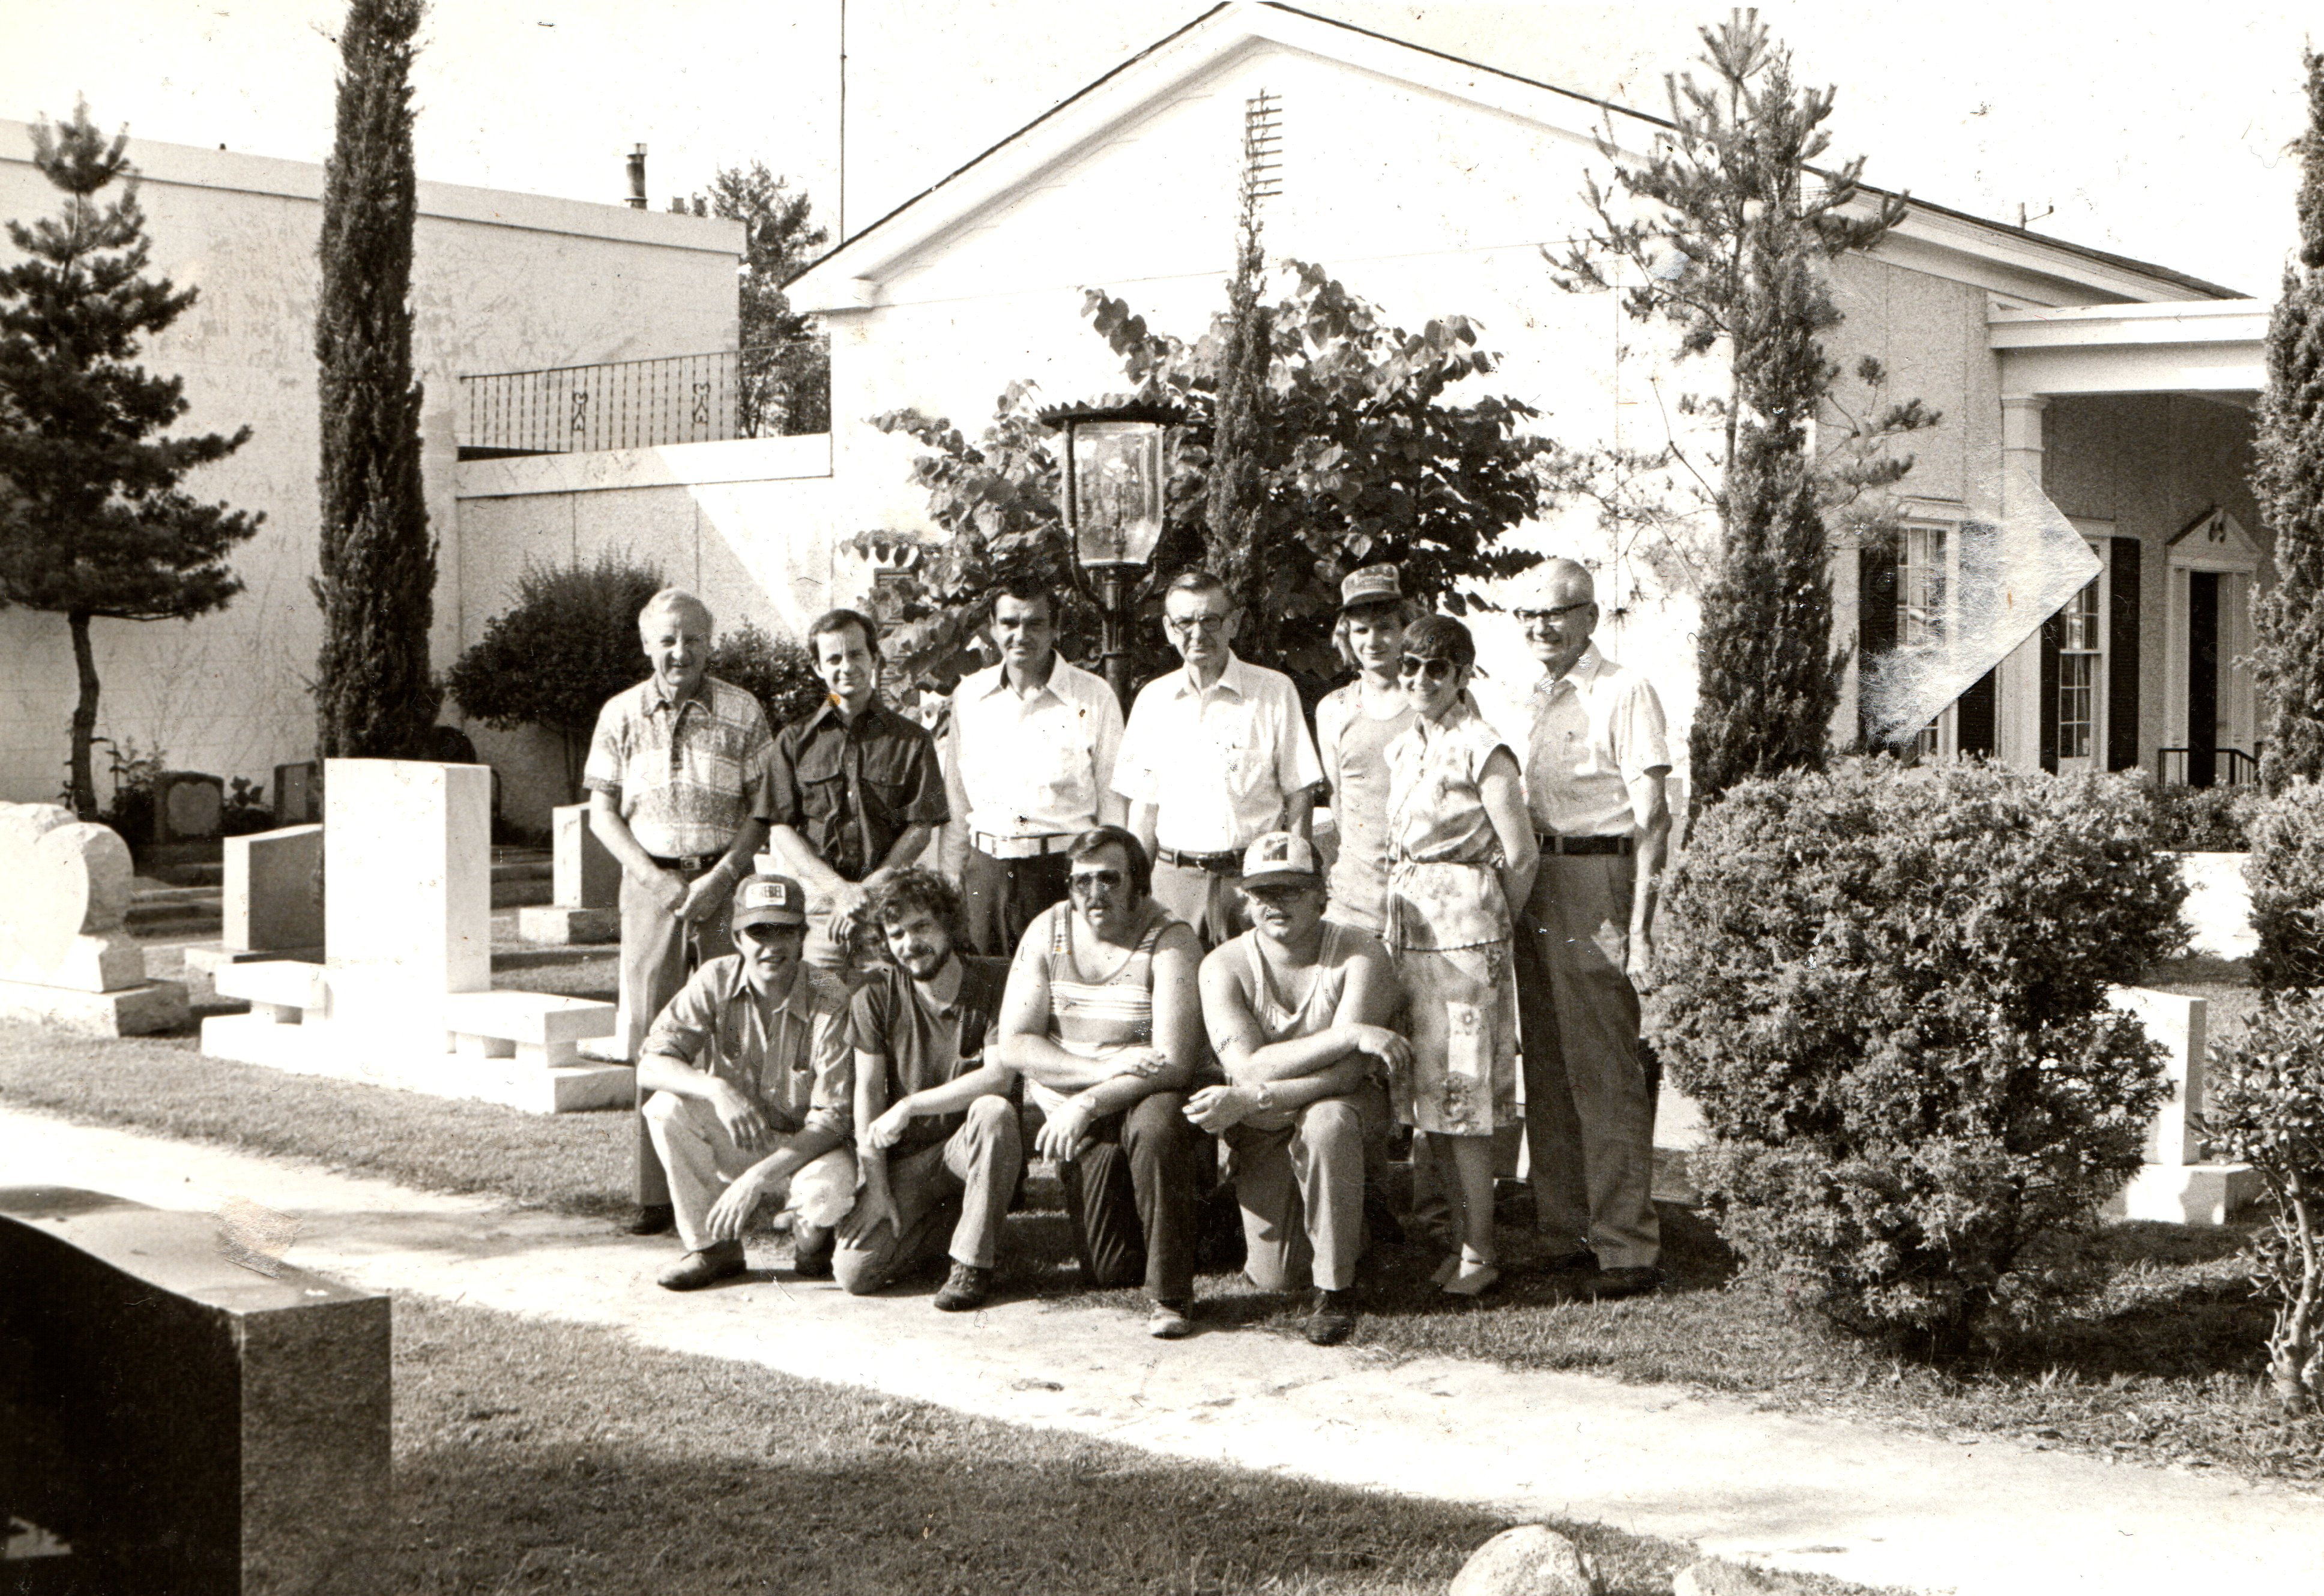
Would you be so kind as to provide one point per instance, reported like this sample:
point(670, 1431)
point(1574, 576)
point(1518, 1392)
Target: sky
point(2155, 132)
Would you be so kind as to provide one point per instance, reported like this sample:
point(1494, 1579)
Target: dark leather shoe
point(811, 1252)
point(652, 1219)
point(965, 1287)
point(1606, 1285)
point(1570, 1263)
point(713, 1264)
point(1334, 1318)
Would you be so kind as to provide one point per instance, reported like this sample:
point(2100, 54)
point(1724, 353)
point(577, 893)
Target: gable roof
point(849, 275)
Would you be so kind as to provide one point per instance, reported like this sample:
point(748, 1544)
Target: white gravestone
point(2176, 1184)
point(404, 997)
point(274, 900)
point(586, 906)
point(65, 958)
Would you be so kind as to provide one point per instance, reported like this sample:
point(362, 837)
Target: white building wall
point(500, 282)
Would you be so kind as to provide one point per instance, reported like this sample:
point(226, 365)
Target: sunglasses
point(1434, 670)
point(1554, 613)
point(1083, 882)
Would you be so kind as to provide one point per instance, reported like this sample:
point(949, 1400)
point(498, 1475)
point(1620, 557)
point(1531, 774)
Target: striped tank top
point(1095, 1018)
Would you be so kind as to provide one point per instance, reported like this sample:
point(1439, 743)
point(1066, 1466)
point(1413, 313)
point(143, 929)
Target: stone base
point(604, 1050)
point(132, 1011)
point(555, 926)
point(208, 958)
point(2186, 1194)
point(323, 1051)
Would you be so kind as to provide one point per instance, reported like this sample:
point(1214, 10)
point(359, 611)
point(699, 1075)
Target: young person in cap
point(938, 1141)
point(1032, 741)
point(857, 790)
point(1463, 854)
point(679, 776)
point(1295, 1008)
point(751, 1080)
point(1215, 755)
point(1354, 724)
point(1595, 763)
point(1104, 1022)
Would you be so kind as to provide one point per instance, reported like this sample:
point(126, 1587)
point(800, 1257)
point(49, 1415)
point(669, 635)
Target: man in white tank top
point(1295, 1007)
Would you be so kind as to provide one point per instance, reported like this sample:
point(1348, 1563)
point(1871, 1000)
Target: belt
point(699, 863)
point(1020, 847)
point(1227, 864)
point(1587, 844)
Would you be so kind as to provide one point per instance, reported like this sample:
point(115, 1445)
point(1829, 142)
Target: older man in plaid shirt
point(679, 777)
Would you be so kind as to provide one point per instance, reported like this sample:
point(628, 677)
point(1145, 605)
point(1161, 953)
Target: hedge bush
point(2265, 1108)
point(2286, 873)
point(1887, 992)
point(775, 670)
point(2201, 820)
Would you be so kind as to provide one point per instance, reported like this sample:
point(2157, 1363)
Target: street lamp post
point(1116, 472)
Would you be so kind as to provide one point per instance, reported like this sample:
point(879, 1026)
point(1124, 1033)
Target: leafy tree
point(1727, 236)
point(374, 694)
point(2289, 617)
point(775, 670)
point(786, 367)
point(1361, 458)
point(567, 644)
point(93, 523)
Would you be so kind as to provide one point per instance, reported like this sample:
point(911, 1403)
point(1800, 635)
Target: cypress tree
point(2288, 619)
point(375, 698)
point(1235, 489)
point(92, 524)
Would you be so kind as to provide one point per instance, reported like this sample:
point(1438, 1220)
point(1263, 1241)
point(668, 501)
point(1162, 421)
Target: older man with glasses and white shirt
point(1032, 743)
point(1216, 755)
point(1596, 757)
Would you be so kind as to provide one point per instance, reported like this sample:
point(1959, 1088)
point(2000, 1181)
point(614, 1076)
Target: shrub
point(775, 670)
point(2266, 1109)
point(569, 643)
point(2286, 872)
point(2201, 820)
point(1887, 992)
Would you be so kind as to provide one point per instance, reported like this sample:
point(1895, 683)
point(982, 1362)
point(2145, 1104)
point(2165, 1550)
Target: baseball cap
point(1371, 585)
point(769, 900)
point(1281, 858)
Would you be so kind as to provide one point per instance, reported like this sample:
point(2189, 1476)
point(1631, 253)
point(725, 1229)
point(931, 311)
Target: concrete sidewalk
point(1830, 1496)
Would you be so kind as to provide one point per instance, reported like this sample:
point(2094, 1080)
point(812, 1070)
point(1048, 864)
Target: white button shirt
point(1216, 764)
point(1034, 767)
point(1595, 729)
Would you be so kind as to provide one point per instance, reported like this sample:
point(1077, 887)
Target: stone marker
point(1712, 1577)
point(1531, 1560)
point(407, 983)
point(271, 904)
point(173, 1421)
point(297, 793)
point(586, 906)
point(2177, 1185)
point(65, 958)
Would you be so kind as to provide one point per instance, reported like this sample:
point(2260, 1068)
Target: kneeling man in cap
point(752, 1079)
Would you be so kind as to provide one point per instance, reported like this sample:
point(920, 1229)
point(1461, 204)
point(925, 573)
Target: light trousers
point(1300, 1190)
point(950, 1196)
point(701, 1159)
point(658, 954)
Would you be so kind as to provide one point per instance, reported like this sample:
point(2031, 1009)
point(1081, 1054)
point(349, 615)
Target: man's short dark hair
point(1098, 838)
point(1195, 579)
point(917, 887)
point(1441, 637)
point(1028, 590)
point(840, 621)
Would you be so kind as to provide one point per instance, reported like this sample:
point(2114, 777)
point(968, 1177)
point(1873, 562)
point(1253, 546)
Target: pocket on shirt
point(1246, 763)
point(821, 784)
point(887, 777)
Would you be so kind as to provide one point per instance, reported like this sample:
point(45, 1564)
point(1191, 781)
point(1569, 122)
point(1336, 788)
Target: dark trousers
point(658, 954)
point(998, 898)
point(1130, 1199)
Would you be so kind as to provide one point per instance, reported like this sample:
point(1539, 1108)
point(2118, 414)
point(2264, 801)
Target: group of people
point(1131, 958)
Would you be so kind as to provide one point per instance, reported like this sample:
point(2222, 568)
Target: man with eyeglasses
point(1215, 756)
point(1596, 757)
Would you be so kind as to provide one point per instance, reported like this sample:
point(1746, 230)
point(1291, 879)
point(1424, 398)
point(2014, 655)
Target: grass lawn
point(544, 1457)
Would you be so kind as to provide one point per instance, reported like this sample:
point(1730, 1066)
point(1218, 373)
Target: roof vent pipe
point(638, 177)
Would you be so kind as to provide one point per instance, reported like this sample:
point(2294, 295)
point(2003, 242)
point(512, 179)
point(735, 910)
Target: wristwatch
point(1264, 1098)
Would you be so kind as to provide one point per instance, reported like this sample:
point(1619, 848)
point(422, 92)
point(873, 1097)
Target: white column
point(2017, 729)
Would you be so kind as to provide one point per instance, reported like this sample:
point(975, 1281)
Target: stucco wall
point(500, 282)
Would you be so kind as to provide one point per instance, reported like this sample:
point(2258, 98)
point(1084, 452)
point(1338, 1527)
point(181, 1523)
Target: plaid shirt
point(789, 1056)
point(686, 775)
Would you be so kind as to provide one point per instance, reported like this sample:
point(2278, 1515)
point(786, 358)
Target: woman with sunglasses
point(1462, 852)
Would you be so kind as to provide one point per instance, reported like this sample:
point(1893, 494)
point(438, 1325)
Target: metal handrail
point(2231, 767)
point(758, 391)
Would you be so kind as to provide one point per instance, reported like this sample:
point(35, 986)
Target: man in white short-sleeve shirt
point(1596, 756)
point(1216, 755)
point(1031, 744)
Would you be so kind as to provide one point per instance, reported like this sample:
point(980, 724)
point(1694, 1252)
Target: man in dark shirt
point(940, 1149)
point(857, 790)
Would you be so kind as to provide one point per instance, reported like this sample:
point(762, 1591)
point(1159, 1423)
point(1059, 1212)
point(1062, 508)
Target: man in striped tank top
point(1295, 1007)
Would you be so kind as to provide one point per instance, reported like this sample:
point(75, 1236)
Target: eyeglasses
point(1554, 613)
point(1083, 882)
point(1189, 625)
point(1434, 670)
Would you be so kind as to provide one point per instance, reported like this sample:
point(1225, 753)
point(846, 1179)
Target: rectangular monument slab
point(137, 1011)
point(2176, 1185)
point(408, 850)
point(588, 875)
point(272, 901)
point(172, 1420)
point(555, 925)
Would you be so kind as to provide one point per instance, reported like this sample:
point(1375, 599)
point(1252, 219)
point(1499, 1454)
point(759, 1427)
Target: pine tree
point(92, 524)
point(1729, 235)
point(2289, 617)
point(786, 369)
point(375, 698)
